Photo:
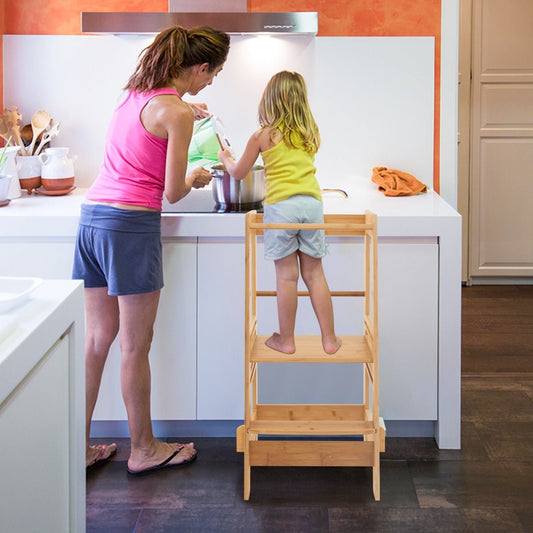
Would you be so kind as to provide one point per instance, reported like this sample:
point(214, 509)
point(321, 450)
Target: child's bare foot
point(275, 343)
point(331, 347)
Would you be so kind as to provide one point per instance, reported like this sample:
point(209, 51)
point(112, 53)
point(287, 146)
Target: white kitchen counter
point(42, 407)
point(38, 215)
point(423, 219)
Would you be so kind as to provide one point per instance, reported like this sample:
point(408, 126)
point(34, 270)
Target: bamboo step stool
point(315, 420)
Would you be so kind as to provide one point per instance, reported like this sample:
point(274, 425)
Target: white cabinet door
point(408, 288)
point(408, 330)
point(220, 329)
point(173, 352)
point(37, 257)
point(34, 437)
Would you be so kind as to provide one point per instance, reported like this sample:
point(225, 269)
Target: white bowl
point(14, 291)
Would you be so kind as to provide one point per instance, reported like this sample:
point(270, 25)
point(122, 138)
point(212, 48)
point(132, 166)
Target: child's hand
point(224, 156)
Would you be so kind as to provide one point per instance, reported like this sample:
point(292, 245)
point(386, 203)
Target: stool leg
point(247, 472)
point(375, 469)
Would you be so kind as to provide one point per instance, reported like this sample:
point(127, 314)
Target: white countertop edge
point(426, 214)
point(49, 313)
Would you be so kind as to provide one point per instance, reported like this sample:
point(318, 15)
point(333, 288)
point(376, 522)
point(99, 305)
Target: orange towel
point(396, 183)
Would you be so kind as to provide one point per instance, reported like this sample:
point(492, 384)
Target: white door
point(501, 195)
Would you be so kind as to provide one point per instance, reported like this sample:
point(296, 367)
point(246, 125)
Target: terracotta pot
point(57, 184)
point(30, 183)
point(29, 172)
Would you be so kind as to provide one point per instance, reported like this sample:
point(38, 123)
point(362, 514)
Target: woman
point(118, 247)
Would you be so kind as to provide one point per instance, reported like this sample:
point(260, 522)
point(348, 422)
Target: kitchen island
point(42, 407)
point(198, 349)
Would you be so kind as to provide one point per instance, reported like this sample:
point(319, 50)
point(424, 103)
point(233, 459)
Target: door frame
point(464, 141)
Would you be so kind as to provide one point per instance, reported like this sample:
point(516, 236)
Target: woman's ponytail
point(174, 50)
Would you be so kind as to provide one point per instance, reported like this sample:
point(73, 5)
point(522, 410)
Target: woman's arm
point(167, 117)
point(179, 123)
point(240, 169)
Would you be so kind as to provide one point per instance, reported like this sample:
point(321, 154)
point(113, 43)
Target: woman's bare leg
point(137, 317)
point(287, 273)
point(101, 329)
point(314, 278)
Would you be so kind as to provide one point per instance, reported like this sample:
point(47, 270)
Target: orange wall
point(336, 18)
point(62, 17)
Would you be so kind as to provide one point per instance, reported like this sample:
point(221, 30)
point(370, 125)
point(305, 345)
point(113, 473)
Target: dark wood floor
point(484, 487)
point(497, 329)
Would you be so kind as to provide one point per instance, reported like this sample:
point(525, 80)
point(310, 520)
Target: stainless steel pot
point(238, 195)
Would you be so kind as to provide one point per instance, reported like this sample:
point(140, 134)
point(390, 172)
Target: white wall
point(373, 97)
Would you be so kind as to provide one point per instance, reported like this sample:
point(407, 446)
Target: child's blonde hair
point(284, 106)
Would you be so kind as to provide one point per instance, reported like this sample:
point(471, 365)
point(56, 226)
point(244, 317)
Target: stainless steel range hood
point(234, 23)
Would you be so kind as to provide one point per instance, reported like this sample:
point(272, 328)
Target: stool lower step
point(241, 434)
point(311, 427)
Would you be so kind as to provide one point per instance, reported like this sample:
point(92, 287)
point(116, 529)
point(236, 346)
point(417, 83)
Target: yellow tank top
point(289, 171)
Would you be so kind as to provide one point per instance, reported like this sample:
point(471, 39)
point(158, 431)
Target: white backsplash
point(373, 97)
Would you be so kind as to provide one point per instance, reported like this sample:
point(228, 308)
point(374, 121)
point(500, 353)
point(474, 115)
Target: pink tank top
point(133, 171)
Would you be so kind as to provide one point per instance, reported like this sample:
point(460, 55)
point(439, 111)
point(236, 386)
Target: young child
point(288, 140)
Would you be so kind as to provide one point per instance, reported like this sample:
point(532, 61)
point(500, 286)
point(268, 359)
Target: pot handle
point(340, 191)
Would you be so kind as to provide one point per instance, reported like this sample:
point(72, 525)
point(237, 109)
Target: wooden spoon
point(48, 135)
point(39, 122)
point(26, 134)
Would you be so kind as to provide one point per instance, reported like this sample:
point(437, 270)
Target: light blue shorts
point(119, 249)
point(298, 209)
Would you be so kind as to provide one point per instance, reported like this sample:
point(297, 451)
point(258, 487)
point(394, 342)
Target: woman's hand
point(200, 110)
point(199, 178)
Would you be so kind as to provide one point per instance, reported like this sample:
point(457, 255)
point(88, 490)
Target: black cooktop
point(222, 208)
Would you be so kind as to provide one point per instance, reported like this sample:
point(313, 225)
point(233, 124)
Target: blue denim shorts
point(119, 249)
point(297, 209)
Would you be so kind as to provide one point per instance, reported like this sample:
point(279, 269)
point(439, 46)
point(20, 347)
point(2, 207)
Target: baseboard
point(509, 280)
point(226, 428)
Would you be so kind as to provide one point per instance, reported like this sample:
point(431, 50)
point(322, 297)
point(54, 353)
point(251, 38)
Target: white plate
point(14, 291)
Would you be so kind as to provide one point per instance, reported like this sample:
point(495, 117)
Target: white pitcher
point(56, 163)
point(11, 167)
